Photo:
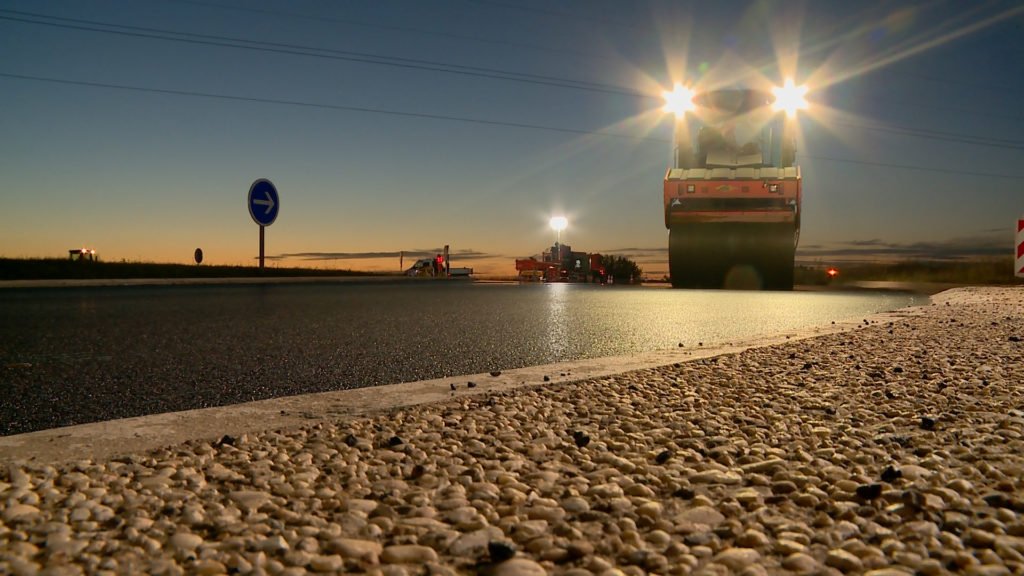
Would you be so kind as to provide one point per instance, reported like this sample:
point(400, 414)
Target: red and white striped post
point(1019, 266)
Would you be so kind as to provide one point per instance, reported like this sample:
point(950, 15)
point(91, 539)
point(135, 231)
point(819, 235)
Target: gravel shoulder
point(893, 446)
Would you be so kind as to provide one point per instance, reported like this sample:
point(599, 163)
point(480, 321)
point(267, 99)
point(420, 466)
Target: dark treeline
point(621, 268)
point(60, 269)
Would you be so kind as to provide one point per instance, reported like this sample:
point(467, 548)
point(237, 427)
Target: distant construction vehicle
point(732, 198)
point(83, 254)
point(437, 267)
point(561, 264)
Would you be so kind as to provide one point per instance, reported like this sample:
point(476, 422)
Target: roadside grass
point(60, 269)
point(997, 271)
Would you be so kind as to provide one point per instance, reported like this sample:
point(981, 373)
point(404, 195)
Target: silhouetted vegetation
point(621, 268)
point(60, 269)
point(977, 272)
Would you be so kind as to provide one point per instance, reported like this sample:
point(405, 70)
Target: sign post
point(1019, 263)
point(264, 205)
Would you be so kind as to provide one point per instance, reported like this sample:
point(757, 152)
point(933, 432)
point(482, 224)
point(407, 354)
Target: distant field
point(60, 269)
point(990, 271)
point(977, 272)
point(995, 271)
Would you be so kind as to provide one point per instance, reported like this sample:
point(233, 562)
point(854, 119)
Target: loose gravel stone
point(808, 457)
point(737, 559)
point(274, 544)
point(408, 554)
point(367, 551)
point(18, 512)
point(800, 563)
point(844, 561)
point(185, 541)
point(209, 567)
point(716, 477)
point(580, 549)
point(519, 567)
point(499, 550)
point(706, 515)
point(326, 564)
point(753, 539)
point(249, 500)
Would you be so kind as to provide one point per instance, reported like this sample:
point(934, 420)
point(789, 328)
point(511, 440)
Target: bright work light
point(790, 97)
point(558, 223)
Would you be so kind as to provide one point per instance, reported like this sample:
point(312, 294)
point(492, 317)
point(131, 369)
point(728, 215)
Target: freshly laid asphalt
point(76, 355)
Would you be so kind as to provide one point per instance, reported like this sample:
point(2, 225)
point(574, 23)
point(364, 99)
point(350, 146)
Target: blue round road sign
point(263, 202)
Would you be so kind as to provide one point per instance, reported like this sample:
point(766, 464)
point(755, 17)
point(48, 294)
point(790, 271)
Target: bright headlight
point(679, 100)
point(789, 97)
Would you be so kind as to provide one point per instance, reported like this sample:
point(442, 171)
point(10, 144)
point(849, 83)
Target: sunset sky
point(136, 127)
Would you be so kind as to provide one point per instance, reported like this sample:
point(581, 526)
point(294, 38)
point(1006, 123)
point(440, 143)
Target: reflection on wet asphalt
point(70, 356)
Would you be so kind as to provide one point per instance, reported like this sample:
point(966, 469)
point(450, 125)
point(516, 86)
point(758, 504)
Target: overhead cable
point(276, 101)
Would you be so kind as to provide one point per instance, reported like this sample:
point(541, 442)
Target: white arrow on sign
point(269, 202)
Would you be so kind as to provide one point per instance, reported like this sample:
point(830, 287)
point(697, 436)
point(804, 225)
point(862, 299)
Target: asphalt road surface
point(71, 356)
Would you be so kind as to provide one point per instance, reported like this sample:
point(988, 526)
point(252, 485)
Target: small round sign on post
point(199, 255)
point(264, 205)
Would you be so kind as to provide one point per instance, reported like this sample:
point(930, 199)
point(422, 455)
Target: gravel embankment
point(891, 449)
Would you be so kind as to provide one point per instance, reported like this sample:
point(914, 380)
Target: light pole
point(559, 223)
point(678, 102)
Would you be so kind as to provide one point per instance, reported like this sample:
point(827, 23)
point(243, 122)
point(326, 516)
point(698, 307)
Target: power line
point(566, 15)
point(910, 167)
point(977, 111)
point(197, 94)
point(392, 28)
point(312, 51)
point(394, 61)
point(819, 47)
point(937, 135)
point(1005, 90)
